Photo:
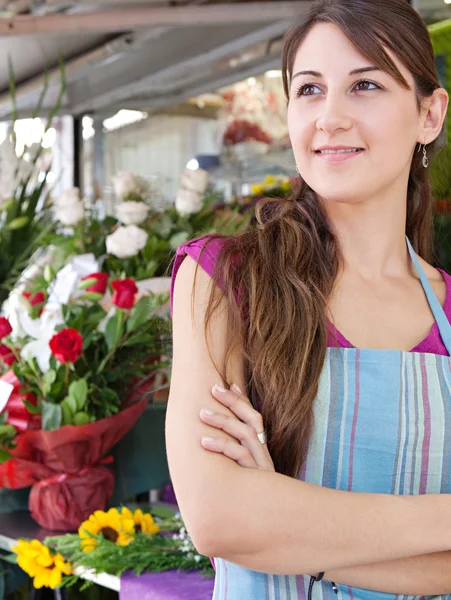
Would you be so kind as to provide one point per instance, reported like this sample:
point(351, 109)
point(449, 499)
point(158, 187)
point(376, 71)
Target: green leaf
point(7, 430)
point(178, 238)
point(71, 404)
point(66, 414)
point(48, 380)
point(78, 390)
point(18, 223)
point(51, 416)
point(114, 330)
point(32, 409)
point(140, 313)
point(94, 296)
point(83, 285)
point(162, 513)
point(142, 338)
point(4, 456)
point(81, 418)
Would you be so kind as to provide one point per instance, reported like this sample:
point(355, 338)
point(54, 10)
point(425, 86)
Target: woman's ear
point(434, 115)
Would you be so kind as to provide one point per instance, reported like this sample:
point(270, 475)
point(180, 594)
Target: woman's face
point(353, 128)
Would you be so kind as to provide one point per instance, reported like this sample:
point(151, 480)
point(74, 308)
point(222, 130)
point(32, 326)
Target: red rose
point(125, 291)
point(66, 345)
point(35, 299)
point(101, 282)
point(5, 327)
point(6, 355)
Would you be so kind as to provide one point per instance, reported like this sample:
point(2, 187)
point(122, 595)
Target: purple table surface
point(169, 585)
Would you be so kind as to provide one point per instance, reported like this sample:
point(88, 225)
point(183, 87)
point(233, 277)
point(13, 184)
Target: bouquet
point(139, 242)
point(84, 350)
point(112, 542)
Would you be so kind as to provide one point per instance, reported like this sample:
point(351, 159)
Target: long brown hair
point(285, 267)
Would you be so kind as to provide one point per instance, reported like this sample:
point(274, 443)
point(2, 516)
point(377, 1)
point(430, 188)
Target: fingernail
point(208, 440)
point(206, 411)
point(236, 388)
point(218, 388)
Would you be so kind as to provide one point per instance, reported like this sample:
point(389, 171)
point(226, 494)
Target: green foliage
point(23, 221)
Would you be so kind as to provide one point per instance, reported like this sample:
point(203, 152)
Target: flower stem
point(66, 378)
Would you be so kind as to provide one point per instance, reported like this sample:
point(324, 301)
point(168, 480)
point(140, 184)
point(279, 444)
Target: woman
point(352, 485)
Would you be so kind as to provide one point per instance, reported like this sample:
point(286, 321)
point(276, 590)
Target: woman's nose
point(333, 116)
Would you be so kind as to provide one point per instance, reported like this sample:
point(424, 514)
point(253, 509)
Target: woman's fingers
point(244, 433)
point(241, 406)
point(232, 449)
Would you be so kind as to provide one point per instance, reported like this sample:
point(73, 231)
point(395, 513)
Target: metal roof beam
point(123, 19)
point(177, 71)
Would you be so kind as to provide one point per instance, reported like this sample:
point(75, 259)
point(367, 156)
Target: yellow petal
point(54, 578)
point(127, 513)
point(41, 579)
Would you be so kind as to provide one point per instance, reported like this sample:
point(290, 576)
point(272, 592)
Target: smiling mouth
point(339, 151)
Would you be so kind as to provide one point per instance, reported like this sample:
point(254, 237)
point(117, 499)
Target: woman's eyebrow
point(319, 75)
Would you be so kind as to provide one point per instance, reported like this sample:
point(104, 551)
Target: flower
point(34, 299)
point(125, 291)
point(144, 522)
point(66, 345)
point(101, 282)
point(41, 331)
point(128, 184)
point(131, 212)
point(126, 242)
point(113, 526)
point(257, 189)
point(69, 208)
point(5, 327)
point(188, 202)
point(38, 562)
point(6, 355)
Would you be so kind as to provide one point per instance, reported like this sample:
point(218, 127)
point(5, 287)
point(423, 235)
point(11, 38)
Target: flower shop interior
point(126, 129)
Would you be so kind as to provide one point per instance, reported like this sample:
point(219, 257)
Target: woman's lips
point(338, 155)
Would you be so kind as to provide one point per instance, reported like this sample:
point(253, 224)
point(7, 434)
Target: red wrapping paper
point(67, 469)
point(18, 415)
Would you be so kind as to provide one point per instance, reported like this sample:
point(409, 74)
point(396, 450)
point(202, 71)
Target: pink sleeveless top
point(432, 344)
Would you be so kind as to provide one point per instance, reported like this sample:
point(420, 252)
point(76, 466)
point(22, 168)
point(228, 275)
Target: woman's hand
point(245, 449)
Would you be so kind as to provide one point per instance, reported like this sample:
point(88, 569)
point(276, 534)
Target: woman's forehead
point(326, 49)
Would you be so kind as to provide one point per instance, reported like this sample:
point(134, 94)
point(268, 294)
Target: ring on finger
point(262, 437)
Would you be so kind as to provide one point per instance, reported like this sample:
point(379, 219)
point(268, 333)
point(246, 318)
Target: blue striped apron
point(372, 432)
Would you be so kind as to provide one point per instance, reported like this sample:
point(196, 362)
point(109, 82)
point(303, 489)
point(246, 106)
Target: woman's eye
point(365, 86)
point(308, 90)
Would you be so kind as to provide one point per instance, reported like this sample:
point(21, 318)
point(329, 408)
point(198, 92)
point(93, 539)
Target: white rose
point(132, 213)
point(68, 197)
point(126, 241)
point(71, 214)
point(188, 202)
point(195, 180)
point(126, 183)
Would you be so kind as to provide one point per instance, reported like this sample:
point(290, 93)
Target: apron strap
point(436, 308)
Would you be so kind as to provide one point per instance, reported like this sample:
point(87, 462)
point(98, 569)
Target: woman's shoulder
point(204, 250)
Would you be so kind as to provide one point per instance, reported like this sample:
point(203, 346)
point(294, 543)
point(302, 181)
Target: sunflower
point(38, 562)
point(111, 525)
point(144, 522)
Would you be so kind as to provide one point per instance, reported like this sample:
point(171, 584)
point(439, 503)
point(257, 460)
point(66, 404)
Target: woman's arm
point(427, 575)
point(263, 520)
